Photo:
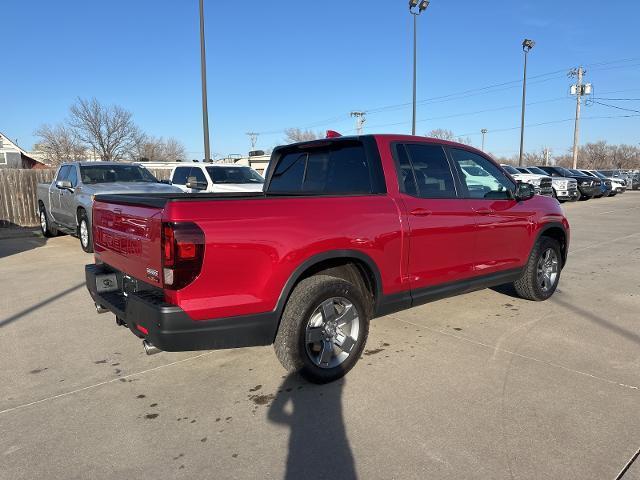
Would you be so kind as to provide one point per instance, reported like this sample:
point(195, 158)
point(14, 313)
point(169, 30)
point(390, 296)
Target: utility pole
point(360, 119)
point(483, 132)
point(578, 91)
point(203, 79)
point(527, 45)
point(546, 156)
point(253, 138)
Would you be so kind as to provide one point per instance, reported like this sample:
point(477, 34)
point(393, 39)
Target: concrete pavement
point(478, 386)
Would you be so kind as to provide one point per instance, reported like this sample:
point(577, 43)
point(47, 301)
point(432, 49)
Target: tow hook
point(149, 348)
point(101, 309)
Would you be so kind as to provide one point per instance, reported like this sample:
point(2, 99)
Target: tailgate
point(128, 238)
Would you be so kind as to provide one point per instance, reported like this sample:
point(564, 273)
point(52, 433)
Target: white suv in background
point(216, 178)
point(542, 184)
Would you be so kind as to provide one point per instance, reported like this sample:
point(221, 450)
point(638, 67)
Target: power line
point(551, 122)
point(616, 107)
point(488, 89)
point(464, 114)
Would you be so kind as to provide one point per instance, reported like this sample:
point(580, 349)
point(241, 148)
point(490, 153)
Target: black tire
point(86, 241)
point(291, 345)
point(529, 285)
point(45, 225)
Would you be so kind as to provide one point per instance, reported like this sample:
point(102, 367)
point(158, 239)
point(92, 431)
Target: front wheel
point(323, 329)
point(46, 229)
point(542, 272)
point(84, 232)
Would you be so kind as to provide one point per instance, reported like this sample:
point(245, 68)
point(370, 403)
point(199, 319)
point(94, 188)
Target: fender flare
point(322, 257)
point(549, 226)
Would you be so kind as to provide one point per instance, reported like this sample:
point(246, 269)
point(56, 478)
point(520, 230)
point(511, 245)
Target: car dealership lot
point(484, 385)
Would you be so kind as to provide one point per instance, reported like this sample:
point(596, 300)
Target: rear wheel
point(323, 329)
point(46, 229)
point(84, 232)
point(542, 272)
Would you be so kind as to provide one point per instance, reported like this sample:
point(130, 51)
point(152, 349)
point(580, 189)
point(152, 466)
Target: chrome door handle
point(421, 212)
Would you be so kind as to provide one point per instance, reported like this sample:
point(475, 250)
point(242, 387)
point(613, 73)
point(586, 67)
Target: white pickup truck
point(216, 178)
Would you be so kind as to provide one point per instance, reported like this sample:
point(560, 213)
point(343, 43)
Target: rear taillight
point(182, 253)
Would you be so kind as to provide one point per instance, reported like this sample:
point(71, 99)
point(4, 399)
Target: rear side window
point(180, 175)
point(339, 169)
point(431, 171)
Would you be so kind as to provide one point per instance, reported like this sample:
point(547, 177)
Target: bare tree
point(156, 149)
point(444, 134)
point(174, 150)
point(109, 130)
point(59, 144)
point(293, 135)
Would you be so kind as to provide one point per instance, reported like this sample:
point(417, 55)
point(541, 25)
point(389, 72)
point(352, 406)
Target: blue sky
point(274, 65)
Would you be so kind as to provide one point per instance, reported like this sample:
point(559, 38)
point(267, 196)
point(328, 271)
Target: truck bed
point(159, 200)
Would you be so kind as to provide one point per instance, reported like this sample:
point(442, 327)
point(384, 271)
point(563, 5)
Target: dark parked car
point(605, 185)
point(589, 187)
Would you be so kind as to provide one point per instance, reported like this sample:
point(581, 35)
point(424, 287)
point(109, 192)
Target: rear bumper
point(169, 328)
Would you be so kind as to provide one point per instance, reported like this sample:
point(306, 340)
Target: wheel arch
point(558, 232)
point(341, 264)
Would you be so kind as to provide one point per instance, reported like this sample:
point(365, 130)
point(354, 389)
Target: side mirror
point(166, 182)
point(64, 184)
point(195, 185)
point(524, 191)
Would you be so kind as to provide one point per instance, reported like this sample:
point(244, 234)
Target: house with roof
point(12, 156)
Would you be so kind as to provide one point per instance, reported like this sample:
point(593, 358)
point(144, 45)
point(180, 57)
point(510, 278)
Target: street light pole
point(527, 45)
point(421, 6)
point(483, 132)
point(203, 68)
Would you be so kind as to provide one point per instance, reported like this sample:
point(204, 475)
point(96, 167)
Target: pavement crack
point(496, 348)
point(106, 382)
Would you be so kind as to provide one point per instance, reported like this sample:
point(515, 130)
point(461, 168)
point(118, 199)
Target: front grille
point(545, 183)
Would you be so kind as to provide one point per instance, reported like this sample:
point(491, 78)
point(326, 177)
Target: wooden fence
point(18, 199)
point(18, 195)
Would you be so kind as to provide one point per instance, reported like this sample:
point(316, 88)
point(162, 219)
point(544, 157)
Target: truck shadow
point(15, 239)
point(318, 444)
point(6, 321)
point(13, 246)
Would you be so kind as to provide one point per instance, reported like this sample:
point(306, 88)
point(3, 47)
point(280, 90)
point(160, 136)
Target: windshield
point(578, 172)
point(599, 174)
point(115, 173)
point(510, 169)
point(537, 171)
point(564, 172)
point(234, 175)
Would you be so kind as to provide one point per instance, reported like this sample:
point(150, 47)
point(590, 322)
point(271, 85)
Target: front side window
point(337, 169)
point(92, 174)
point(73, 175)
point(180, 175)
point(482, 178)
point(63, 173)
point(425, 171)
point(197, 175)
point(234, 175)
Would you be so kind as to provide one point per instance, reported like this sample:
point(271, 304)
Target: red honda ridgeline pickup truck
point(347, 229)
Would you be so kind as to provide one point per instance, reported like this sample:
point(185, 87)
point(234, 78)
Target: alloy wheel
point(332, 332)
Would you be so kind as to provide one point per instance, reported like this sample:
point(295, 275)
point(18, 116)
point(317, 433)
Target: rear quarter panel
point(254, 246)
